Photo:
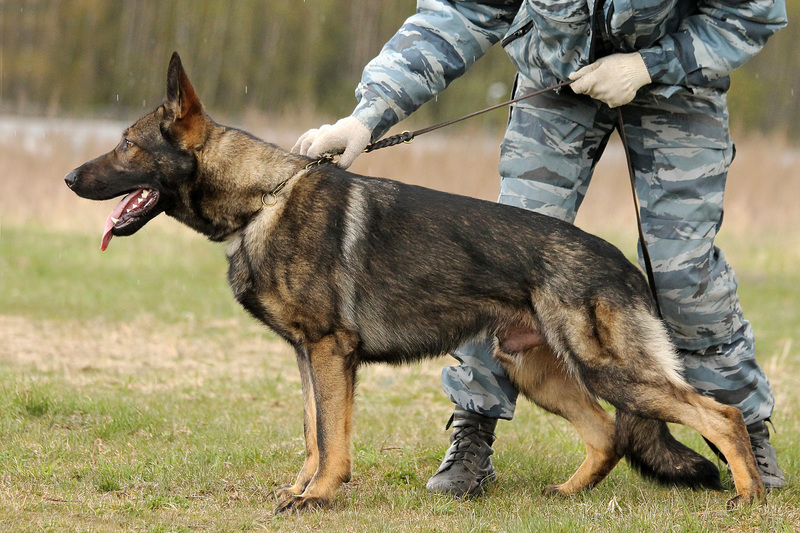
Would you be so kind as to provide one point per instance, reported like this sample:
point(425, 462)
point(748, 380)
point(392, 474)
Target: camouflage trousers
point(681, 151)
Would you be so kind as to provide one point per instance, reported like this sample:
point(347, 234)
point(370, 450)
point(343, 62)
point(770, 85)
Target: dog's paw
point(285, 492)
point(745, 500)
point(556, 490)
point(299, 504)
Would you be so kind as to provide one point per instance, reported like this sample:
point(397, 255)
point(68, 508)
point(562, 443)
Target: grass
point(135, 395)
point(119, 410)
point(65, 274)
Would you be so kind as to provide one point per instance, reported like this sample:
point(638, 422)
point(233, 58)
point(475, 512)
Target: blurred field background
point(135, 394)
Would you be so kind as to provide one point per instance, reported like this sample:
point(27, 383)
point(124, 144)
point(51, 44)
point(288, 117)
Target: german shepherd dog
point(351, 270)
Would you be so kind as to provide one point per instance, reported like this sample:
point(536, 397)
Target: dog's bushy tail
point(650, 448)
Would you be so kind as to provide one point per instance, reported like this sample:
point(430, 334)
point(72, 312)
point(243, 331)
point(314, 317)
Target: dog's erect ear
point(183, 104)
point(181, 96)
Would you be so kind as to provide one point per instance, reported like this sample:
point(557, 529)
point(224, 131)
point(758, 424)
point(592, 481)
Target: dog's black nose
point(71, 178)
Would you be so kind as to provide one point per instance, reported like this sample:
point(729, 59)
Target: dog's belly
point(516, 338)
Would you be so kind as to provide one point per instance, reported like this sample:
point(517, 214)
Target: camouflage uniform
point(677, 128)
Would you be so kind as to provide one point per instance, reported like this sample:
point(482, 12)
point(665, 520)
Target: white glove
point(348, 136)
point(613, 79)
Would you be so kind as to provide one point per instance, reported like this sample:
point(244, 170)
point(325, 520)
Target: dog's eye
point(127, 143)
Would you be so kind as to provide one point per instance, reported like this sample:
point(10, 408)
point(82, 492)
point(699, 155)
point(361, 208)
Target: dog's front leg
point(288, 492)
point(331, 372)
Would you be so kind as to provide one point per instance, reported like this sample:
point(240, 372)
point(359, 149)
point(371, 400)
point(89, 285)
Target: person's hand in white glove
point(613, 79)
point(348, 136)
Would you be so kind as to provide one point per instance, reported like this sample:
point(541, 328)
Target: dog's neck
point(242, 176)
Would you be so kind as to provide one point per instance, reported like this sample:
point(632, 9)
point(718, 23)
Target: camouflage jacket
point(690, 43)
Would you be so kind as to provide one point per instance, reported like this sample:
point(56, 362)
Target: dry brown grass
point(763, 185)
point(176, 354)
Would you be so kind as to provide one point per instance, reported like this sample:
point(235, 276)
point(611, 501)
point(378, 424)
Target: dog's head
point(153, 162)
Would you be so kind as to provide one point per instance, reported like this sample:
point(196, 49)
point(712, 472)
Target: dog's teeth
point(114, 220)
point(145, 193)
point(127, 210)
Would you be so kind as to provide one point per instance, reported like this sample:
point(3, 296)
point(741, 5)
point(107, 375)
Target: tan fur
point(329, 423)
point(311, 463)
point(724, 426)
point(543, 379)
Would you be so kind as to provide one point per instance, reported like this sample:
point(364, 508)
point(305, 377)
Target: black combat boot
point(467, 465)
point(766, 458)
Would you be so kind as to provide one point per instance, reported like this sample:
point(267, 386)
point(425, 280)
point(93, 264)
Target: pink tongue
point(115, 215)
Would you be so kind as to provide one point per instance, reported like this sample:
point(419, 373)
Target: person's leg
point(478, 384)
point(551, 145)
point(681, 152)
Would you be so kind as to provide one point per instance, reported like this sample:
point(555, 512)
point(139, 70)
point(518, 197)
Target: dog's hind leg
point(628, 360)
point(542, 377)
point(723, 425)
point(330, 370)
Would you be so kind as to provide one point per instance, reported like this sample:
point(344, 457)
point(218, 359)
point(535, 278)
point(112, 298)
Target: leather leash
point(408, 136)
point(648, 265)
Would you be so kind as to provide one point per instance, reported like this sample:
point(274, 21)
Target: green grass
point(53, 275)
point(189, 421)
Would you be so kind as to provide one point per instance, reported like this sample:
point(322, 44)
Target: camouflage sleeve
point(710, 44)
point(432, 48)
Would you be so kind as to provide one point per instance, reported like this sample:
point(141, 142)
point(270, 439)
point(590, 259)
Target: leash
point(270, 198)
point(408, 136)
point(648, 265)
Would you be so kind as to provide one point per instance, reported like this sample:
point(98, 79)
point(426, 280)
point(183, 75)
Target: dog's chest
point(240, 275)
point(255, 287)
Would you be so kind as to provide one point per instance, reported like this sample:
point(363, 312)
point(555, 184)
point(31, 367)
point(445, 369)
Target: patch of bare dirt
point(79, 351)
point(167, 356)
